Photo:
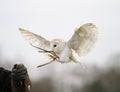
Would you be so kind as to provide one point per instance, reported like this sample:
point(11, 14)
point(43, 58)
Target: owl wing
point(35, 39)
point(83, 39)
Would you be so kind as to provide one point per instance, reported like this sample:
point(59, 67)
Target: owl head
point(57, 45)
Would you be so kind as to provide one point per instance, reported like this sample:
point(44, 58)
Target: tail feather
point(73, 59)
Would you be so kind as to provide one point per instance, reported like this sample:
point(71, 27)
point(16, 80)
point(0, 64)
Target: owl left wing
point(83, 39)
point(35, 40)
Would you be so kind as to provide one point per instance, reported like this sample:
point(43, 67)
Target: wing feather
point(83, 39)
point(35, 39)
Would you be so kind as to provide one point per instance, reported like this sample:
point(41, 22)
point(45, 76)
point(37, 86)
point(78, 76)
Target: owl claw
point(53, 56)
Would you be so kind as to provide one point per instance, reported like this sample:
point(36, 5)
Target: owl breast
point(64, 56)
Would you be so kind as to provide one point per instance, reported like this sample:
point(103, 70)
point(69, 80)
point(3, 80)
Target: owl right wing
point(35, 40)
point(83, 39)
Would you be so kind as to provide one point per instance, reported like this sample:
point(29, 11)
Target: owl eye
point(54, 45)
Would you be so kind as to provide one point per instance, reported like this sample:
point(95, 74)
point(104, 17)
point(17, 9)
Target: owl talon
point(52, 57)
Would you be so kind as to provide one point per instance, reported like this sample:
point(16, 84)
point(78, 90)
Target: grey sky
point(58, 19)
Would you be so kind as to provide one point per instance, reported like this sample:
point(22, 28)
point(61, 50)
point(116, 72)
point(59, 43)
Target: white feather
point(83, 39)
point(35, 39)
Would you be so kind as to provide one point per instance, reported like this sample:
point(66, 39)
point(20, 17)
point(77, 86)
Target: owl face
point(57, 45)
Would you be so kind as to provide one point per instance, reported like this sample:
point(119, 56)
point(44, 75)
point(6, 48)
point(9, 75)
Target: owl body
point(65, 55)
point(62, 50)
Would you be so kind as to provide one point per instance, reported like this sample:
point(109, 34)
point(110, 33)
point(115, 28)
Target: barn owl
point(59, 50)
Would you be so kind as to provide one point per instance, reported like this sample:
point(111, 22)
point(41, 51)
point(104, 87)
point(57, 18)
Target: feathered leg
point(73, 59)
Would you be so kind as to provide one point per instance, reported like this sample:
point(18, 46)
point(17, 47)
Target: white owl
point(59, 50)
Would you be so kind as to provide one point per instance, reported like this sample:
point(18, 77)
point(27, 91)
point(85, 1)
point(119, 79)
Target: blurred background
point(58, 19)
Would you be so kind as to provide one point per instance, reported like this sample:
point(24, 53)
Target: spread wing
point(35, 39)
point(83, 39)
